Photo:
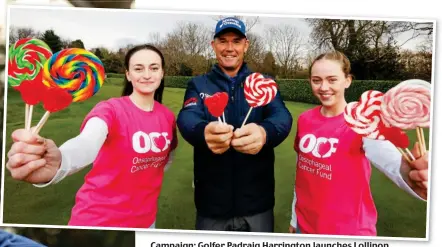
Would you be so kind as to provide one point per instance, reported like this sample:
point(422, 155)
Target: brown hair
point(334, 56)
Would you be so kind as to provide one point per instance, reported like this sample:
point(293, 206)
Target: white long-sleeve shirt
point(388, 162)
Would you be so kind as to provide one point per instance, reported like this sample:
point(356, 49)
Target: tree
point(53, 40)
point(98, 53)
point(17, 33)
point(256, 52)
point(113, 63)
point(189, 44)
point(77, 44)
point(285, 44)
point(155, 39)
point(65, 43)
point(417, 64)
point(269, 66)
point(195, 38)
point(368, 44)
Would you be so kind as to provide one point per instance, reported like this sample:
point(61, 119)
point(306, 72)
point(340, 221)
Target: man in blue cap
point(233, 166)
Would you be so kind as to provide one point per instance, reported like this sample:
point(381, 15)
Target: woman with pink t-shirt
point(128, 139)
point(332, 185)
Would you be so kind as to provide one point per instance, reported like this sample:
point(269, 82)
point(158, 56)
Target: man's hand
point(417, 172)
point(218, 136)
point(249, 139)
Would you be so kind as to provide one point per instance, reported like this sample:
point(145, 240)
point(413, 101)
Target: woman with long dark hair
point(128, 139)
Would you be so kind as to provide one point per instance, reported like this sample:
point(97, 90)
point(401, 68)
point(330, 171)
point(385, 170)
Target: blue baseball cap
point(231, 23)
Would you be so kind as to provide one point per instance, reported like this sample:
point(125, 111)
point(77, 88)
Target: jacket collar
point(243, 72)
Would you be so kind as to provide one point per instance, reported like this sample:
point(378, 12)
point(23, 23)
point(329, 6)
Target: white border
point(295, 16)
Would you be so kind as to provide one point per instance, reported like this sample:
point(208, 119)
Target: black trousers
point(262, 222)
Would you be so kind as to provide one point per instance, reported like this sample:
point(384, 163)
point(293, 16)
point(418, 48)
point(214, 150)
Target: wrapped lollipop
point(25, 67)
point(259, 91)
point(78, 72)
point(216, 104)
point(364, 117)
point(407, 106)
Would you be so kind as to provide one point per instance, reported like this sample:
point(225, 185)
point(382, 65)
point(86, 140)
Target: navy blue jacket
point(232, 184)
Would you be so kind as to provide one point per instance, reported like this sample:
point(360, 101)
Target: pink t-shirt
point(124, 184)
point(332, 178)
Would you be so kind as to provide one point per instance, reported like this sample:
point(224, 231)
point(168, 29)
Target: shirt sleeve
point(80, 151)
point(387, 159)
point(294, 220)
point(277, 121)
point(104, 111)
point(191, 119)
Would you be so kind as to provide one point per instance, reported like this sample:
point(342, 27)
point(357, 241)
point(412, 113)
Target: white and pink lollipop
point(259, 91)
point(364, 118)
point(407, 106)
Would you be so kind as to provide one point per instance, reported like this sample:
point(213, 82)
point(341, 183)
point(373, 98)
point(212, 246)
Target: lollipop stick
point(245, 119)
point(42, 122)
point(224, 118)
point(219, 120)
point(29, 121)
point(409, 153)
point(404, 154)
point(26, 116)
point(419, 140)
point(424, 144)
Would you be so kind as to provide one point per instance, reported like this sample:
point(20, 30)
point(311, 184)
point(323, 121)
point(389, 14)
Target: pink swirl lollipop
point(364, 117)
point(407, 105)
point(259, 91)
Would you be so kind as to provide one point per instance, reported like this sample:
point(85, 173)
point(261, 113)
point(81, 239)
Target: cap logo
point(230, 22)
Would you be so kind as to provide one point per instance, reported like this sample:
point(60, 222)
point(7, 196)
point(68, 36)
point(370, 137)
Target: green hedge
point(297, 90)
point(114, 75)
point(177, 81)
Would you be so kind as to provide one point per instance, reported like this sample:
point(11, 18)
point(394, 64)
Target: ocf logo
point(155, 142)
point(319, 147)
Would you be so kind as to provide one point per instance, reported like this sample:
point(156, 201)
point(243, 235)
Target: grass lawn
point(400, 215)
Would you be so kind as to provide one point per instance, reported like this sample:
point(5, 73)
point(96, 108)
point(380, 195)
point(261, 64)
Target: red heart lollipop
point(217, 103)
point(32, 91)
point(56, 99)
point(395, 135)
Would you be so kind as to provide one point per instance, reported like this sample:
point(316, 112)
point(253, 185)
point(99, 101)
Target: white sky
point(115, 28)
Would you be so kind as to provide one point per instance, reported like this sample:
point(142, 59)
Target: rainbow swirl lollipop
point(26, 60)
point(76, 70)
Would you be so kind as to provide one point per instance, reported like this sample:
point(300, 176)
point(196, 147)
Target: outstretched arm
point(80, 151)
point(387, 159)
